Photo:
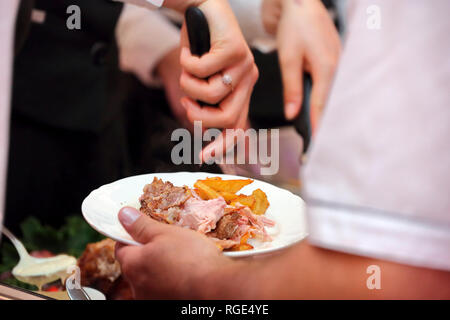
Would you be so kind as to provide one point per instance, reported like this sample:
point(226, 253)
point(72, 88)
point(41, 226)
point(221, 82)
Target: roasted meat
point(162, 200)
point(181, 206)
point(100, 270)
point(227, 226)
point(201, 215)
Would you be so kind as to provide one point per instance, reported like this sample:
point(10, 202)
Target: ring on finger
point(228, 81)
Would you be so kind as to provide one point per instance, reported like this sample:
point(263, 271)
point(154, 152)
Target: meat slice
point(227, 226)
point(258, 224)
point(166, 203)
point(201, 215)
point(162, 200)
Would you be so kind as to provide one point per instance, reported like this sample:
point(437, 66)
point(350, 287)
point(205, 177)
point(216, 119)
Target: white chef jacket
point(377, 180)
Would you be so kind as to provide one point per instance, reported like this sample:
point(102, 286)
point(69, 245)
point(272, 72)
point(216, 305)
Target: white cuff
point(249, 16)
point(144, 38)
point(149, 4)
point(381, 235)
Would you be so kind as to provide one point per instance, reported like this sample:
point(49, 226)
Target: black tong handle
point(199, 35)
point(198, 31)
point(303, 123)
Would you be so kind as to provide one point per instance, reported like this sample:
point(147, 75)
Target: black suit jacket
point(68, 78)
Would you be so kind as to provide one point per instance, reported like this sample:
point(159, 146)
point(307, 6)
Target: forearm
point(308, 272)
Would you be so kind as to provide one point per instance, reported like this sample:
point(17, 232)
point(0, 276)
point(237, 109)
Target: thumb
point(139, 226)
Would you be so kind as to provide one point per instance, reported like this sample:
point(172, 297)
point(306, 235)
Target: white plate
point(101, 207)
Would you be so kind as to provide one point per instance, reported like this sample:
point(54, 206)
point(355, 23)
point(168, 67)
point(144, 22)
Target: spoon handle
point(23, 253)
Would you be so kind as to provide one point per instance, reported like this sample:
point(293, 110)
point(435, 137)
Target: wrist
point(194, 3)
point(168, 62)
point(233, 279)
point(223, 279)
point(182, 5)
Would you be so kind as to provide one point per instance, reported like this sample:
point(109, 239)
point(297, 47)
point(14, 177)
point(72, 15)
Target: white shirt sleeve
point(377, 181)
point(249, 16)
point(8, 11)
point(144, 37)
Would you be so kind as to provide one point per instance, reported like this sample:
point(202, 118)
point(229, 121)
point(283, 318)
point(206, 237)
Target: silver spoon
point(39, 271)
point(75, 293)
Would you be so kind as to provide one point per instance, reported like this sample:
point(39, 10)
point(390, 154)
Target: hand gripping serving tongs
point(200, 43)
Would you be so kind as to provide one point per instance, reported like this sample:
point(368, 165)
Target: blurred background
point(83, 116)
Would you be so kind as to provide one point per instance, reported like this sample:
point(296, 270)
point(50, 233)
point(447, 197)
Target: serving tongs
point(199, 36)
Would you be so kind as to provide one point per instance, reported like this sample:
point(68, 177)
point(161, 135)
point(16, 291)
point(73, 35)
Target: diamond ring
point(227, 80)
